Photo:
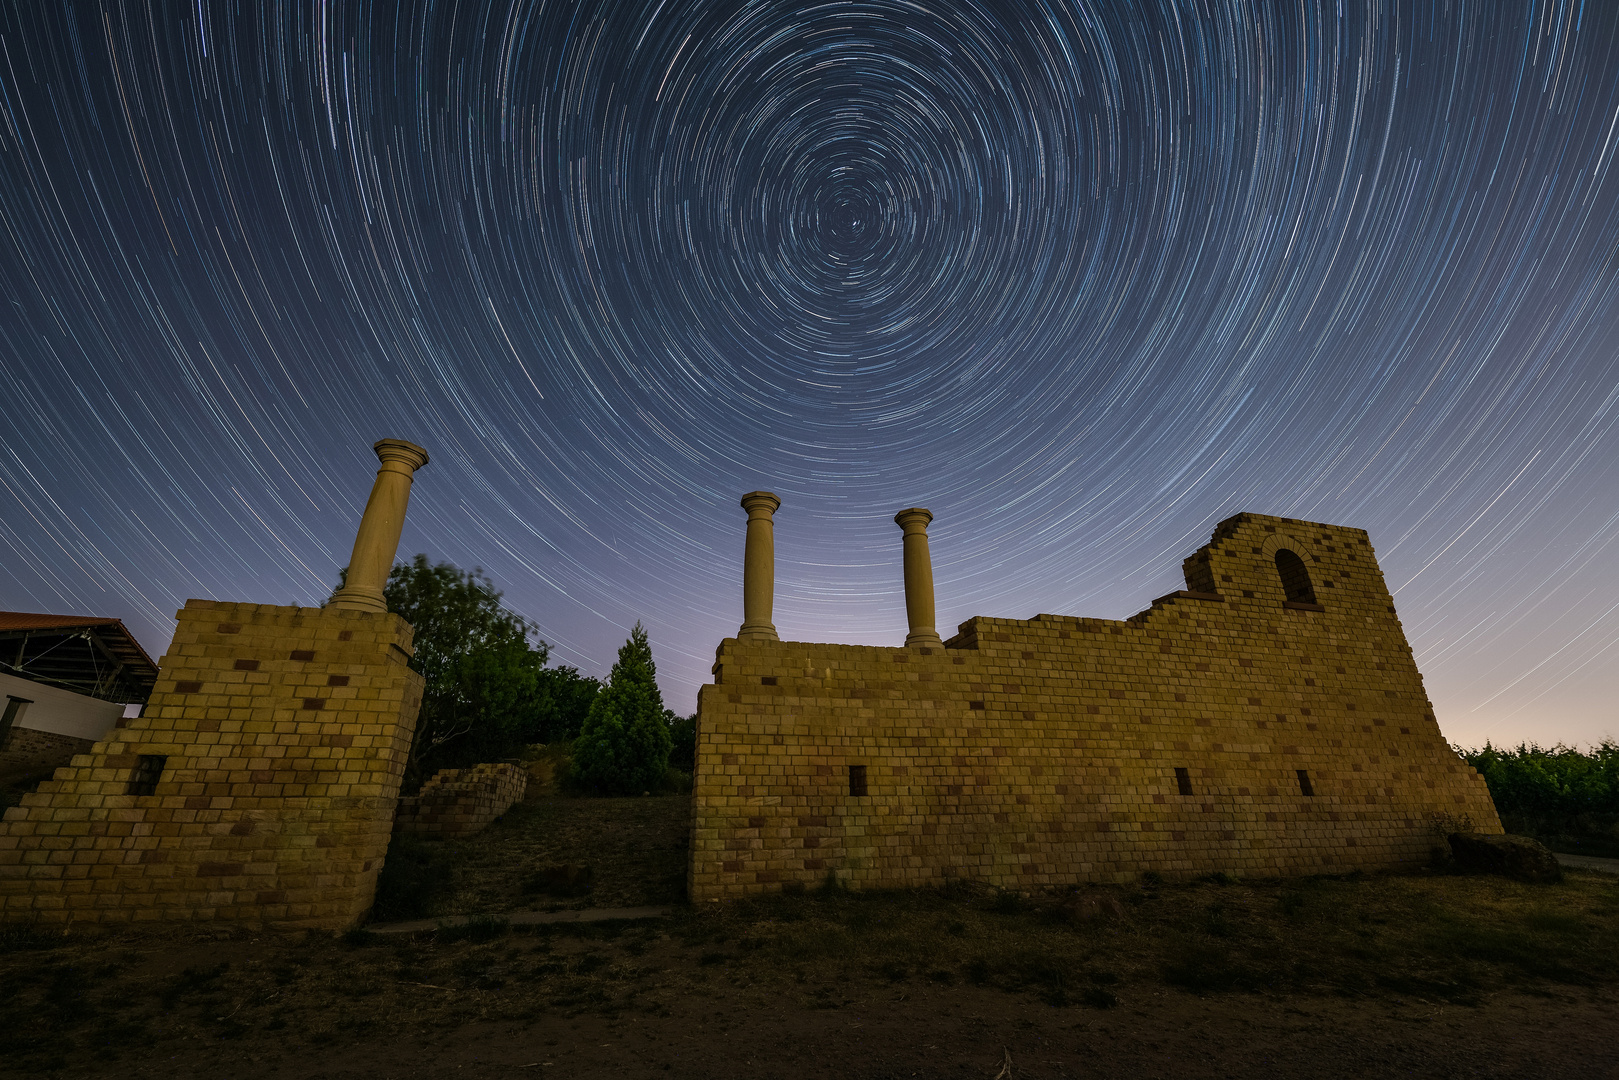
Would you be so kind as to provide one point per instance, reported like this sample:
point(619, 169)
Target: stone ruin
point(1268, 719)
point(461, 802)
point(259, 783)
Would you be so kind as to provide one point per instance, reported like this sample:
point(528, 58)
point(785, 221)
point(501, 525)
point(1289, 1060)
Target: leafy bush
point(1567, 798)
point(1554, 780)
point(623, 747)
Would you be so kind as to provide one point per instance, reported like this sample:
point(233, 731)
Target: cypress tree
point(623, 746)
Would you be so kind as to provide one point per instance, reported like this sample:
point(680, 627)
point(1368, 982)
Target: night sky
point(1082, 278)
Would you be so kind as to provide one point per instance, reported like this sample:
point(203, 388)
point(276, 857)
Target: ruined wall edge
point(1044, 752)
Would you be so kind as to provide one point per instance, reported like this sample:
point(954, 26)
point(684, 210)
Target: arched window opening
point(1295, 578)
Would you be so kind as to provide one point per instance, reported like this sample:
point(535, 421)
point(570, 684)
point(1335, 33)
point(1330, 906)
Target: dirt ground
point(961, 1032)
point(634, 849)
point(1432, 975)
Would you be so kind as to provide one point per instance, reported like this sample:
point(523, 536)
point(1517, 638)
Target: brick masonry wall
point(30, 752)
point(1044, 752)
point(460, 802)
point(285, 732)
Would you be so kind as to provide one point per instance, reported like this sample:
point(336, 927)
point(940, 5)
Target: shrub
point(1550, 780)
point(1566, 797)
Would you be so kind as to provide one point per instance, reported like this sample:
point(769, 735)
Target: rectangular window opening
point(857, 780)
point(1304, 783)
point(148, 771)
point(1183, 780)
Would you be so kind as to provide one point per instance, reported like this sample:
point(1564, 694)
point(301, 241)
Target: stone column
point(759, 568)
point(918, 577)
point(378, 539)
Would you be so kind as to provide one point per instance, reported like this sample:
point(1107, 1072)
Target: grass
point(86, 999)
point(545, 854)
point(1439, 938)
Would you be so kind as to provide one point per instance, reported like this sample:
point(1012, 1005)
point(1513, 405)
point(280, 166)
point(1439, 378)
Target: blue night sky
point(1082, 278)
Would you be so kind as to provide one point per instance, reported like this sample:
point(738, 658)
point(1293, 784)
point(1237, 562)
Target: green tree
point(683, 740)
point(569, 695)
point(488, 690)
point(623, 747)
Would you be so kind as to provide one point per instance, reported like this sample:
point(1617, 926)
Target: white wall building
point(64, 683)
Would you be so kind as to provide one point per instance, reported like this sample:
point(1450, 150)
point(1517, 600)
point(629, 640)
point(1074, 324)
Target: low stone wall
point(461, 802)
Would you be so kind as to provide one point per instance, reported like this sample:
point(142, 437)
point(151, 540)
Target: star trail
point(1082, 278)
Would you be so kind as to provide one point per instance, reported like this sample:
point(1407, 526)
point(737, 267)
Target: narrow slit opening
point(1183, 780)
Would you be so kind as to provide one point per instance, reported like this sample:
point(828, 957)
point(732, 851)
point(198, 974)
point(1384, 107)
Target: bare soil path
point(1589, 862)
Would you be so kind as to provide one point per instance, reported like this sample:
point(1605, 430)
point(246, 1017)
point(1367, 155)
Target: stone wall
point(1225, 728)
point(258, 785)
point(460, 802)
point(26, 752)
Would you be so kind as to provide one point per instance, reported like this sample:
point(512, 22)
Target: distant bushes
point(488, 691)
point(683, 741)
point(1554, 780)
point(1567, 797)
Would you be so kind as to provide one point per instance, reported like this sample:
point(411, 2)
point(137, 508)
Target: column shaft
point(918, 577)
point(377, 540)
point(759, 568)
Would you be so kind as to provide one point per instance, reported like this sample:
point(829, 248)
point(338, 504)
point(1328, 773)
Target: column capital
point(764, 502)
point(405, 453)
point(913, 518)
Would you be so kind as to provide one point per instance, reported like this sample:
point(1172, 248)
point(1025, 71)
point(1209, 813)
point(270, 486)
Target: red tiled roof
point(71, 666)
point(22, 620)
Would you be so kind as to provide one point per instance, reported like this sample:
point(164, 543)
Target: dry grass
point(117, 1001)
point(635, 847)
point(1436, 937)
point(629, 852)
